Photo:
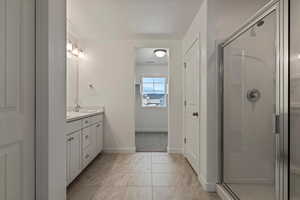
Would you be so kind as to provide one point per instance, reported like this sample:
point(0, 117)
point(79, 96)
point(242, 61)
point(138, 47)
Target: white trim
point(50, 99)
point(249, 180)
point(223, 194)
point(208, 187)
point(175, 150)
point(152, 130)
point(120, 150)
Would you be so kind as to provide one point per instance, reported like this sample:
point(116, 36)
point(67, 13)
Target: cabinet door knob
point(195, 114)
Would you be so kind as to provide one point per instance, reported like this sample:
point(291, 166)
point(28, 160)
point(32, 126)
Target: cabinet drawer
point(87, 156)
point(89, 121)
point(73, 126)
point(86, 138)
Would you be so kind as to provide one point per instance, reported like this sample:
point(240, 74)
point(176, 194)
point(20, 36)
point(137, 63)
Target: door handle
point(276, 122)
point(195, 114)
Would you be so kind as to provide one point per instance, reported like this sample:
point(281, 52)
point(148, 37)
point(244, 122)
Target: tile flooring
point(151, 141)
point(139, 176)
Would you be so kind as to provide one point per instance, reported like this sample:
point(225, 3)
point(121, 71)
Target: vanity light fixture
point(69, 47)
point(81, 54)
point(75, 51)
point(160, 53)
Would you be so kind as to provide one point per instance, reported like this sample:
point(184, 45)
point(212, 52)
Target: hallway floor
point(151, 141)
point(139, 176)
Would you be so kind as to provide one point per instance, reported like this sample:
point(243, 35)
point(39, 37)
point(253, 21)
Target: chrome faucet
point(77, 108)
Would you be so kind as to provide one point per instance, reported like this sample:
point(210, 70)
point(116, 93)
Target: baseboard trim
point(174, 150)
point(208, 187)
point(120, 150)
point(151, 130)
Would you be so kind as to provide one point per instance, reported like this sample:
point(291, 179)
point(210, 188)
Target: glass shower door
point(249, 107)
point(294, 100)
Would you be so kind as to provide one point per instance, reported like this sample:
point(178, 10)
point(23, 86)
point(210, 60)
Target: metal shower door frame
point(282, 153)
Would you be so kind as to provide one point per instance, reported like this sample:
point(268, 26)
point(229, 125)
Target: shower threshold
point(247, 191)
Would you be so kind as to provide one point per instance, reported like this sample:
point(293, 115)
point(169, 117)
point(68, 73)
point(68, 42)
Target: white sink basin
point(82, 113)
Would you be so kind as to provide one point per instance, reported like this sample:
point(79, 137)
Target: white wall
point(50, 100)
point(150, 119)
point(110, 67)
point(215, 21)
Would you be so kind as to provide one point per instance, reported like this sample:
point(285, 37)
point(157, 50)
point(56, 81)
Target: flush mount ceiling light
point(160, 53)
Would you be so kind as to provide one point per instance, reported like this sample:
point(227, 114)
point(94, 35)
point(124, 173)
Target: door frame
point(50, 145)
point(282, 154)
point(168, 77)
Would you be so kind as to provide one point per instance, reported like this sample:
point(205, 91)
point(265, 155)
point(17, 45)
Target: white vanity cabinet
point(84, 142)
point(73, 155)
point(89, 144)
point(99, 130)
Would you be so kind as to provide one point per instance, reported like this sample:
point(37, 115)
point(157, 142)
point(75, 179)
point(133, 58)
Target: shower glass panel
point(295, 100)
point(249, 104)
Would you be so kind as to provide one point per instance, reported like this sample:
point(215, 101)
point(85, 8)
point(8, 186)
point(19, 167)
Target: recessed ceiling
point(132, 19)
point(145, 56)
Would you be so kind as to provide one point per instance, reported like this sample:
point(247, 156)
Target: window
point(154, 92)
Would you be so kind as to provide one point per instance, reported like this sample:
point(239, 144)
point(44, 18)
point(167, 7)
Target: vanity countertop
point(83, 113)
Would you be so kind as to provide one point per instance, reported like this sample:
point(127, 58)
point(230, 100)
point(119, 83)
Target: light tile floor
point(139, 176)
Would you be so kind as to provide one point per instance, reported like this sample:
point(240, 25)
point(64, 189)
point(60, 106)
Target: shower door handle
point(276, 122)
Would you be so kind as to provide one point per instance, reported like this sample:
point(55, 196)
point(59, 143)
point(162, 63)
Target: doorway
point(151, 99)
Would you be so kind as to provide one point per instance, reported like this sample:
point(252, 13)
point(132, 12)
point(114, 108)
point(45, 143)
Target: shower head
point(260, 23)
point(253, 30)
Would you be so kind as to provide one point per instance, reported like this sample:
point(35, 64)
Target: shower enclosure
point(251, 104)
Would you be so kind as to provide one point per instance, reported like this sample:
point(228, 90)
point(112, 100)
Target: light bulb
point(75, 52)
point(69, 46)
point(160, 53)
point(81, 54)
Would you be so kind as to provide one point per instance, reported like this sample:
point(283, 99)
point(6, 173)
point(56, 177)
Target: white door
point(99, 127)
point(191, 105)
point(17, 99)
point(89, 144)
